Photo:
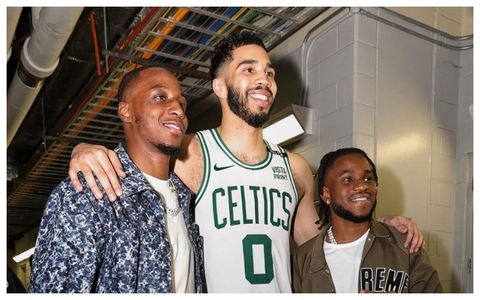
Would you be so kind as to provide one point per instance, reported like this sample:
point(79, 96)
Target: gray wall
point(463, 229)
point(404, 101)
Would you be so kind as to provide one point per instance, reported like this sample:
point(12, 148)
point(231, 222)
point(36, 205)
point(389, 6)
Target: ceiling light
point(24, 255)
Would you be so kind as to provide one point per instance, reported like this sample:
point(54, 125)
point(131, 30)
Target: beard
point(165, 149)
point(342, 212)
point(168, 150)
point(238, 105)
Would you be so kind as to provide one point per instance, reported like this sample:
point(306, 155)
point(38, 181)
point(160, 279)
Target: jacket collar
point(378, 230)
point(318, 258)
point(134, 182)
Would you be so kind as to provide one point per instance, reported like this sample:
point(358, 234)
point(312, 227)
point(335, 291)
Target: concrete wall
point(405, 102)
point(463, 205)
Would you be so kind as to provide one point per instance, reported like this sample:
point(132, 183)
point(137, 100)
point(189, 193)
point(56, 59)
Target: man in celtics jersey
point(250, 194)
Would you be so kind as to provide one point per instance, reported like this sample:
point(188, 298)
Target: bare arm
point(304, 227)
point(189, 164)
point(103, 163)
point(96, 161)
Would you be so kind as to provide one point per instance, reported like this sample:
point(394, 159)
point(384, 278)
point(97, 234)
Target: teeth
point(259, 97)
point(360, 199)
point(173, 126)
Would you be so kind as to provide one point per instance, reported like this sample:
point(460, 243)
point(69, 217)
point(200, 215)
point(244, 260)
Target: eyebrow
point(161, 86)
point(157, 86)
point(366, 171)
point(251, 62)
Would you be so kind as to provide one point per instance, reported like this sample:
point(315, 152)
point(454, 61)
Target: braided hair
point(326, 162)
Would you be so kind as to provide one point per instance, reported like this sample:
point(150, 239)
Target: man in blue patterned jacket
point(146, 241)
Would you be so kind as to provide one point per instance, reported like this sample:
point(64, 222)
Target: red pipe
point(133, 34)
point(95, 42)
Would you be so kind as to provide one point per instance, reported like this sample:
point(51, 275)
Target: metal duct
point(38, 60)
point(13, 15)
point(35, 16)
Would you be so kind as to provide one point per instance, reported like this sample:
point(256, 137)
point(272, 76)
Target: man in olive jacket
point(354, 253)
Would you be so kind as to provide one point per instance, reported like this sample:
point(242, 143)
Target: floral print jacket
point(88, 245)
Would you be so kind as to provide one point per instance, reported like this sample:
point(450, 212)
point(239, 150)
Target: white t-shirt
point(344, 263)
point(182, 256)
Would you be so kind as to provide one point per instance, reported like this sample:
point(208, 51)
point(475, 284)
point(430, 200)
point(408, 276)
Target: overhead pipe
point(307, 45)
point(13, 15)
point(93, 30)
point(35, 16)
point(438, 41)
point(38, 60)
point(53, 154)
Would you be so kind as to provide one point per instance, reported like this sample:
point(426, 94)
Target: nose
point(360, 185)
point(176, 109)
point(264, 80)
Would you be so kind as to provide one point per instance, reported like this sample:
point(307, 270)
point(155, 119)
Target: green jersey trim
point(206, 168)
point(218, 139)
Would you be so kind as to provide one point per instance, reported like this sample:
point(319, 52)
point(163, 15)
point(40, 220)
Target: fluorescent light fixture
point(24, 255)
point(290, 124)
point(283, 130)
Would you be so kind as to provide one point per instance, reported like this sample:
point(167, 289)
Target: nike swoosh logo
point(217, 168)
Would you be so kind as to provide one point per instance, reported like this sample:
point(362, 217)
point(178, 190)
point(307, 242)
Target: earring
point(328, 201)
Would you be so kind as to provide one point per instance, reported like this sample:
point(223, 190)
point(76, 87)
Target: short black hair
point(223, 51)
point(128, 79)
point(326, 162)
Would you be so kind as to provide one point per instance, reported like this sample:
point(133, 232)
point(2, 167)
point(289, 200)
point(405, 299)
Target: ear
point(220, 87)
point(124, 112)
point(326, 195)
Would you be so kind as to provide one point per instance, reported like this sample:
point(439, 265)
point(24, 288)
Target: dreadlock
point(325, 164)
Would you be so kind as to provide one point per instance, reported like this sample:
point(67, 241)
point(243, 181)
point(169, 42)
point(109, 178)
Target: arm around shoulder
point(96, 161)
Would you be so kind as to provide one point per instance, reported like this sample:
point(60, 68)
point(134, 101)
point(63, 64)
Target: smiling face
point(350, 188)
point(153, 111)
point(250, 83)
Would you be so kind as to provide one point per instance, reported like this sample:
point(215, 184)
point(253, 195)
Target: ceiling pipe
point(35, 16)
point(38, 60)
point(13, 15)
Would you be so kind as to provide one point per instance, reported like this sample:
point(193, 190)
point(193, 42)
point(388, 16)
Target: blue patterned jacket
point(87, 245)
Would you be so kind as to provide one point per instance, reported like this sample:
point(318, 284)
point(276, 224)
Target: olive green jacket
point(386, 265)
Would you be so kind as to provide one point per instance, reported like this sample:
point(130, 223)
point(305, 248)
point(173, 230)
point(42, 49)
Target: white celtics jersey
point(245, 214)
